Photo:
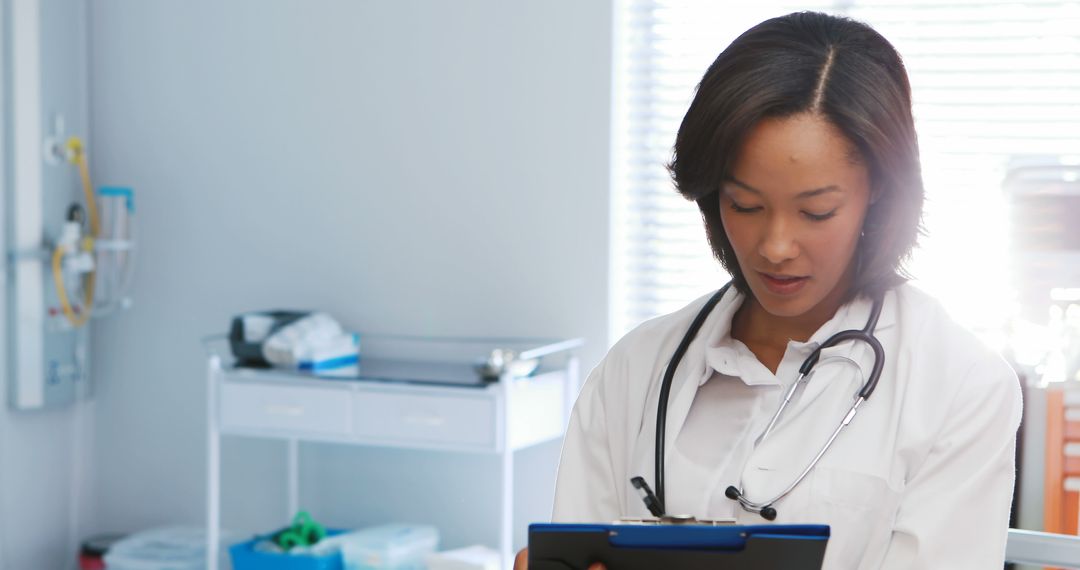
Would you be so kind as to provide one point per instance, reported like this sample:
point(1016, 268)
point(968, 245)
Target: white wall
point(412, 167)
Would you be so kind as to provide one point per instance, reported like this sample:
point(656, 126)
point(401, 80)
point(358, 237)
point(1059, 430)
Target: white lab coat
point(922, 478)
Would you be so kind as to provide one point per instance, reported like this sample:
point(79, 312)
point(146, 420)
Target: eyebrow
point(803, 194)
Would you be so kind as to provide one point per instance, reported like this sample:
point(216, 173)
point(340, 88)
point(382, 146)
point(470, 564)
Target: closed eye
point(743, 209)
point(819, 217)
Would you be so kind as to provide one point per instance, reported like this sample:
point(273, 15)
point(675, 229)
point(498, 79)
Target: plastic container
point(470, 558)
point(389, 547)
point(169, 548)
point(93, 550)
point(117, 206)
point(115, 247)
point(245, 557)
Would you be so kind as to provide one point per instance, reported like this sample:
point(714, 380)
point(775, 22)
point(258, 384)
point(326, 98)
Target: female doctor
point(799, 148)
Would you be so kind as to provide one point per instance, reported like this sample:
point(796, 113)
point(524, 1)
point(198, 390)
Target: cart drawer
point(307, 409)
point(425, 420)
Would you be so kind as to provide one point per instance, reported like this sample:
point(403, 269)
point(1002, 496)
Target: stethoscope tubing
point(665, 389)
point(805, 372)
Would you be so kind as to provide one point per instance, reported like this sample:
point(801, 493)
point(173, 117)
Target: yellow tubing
point(76, 320)
point(78, 156)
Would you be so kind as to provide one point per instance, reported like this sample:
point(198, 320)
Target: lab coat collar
point(854, 315)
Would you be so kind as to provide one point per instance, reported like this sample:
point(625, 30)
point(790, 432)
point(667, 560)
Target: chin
point(794, 305)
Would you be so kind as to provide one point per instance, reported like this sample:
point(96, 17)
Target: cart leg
point(213, 467)
point(294, 478)
point(506, 459)
point(506, 518)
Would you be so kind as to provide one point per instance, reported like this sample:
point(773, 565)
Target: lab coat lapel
point(684, 386)
point(693, 371)
point(844, 379)
point(689, 375)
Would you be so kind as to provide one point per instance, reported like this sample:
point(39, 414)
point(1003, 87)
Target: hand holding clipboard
point(521, 561)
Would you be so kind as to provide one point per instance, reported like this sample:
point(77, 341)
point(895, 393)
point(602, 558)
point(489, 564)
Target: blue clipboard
point(687, 547)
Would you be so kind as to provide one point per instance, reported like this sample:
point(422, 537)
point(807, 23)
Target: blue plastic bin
point(245, 557)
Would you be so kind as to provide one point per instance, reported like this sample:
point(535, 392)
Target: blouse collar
point(731, 357)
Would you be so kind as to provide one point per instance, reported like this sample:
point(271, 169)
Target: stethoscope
point(655, 503)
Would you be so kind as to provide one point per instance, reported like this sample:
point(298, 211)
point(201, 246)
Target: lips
point(780, 284)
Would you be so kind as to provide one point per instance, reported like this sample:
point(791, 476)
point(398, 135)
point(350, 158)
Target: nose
point(779, 243)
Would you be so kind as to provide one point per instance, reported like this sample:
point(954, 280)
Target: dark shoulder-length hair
point(840, 69)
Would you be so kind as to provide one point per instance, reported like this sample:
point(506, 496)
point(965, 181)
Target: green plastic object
point(303, 532)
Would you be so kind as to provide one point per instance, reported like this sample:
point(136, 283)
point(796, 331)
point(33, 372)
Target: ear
point(875, 195)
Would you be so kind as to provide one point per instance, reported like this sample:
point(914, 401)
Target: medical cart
point(409, 392)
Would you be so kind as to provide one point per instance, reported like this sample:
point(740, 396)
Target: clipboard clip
point(652, 502)
point(674, 520)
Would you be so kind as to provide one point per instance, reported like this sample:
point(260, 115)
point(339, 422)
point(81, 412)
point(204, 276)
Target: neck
point(752, 324)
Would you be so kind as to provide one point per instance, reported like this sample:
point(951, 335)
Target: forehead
point(798, 153)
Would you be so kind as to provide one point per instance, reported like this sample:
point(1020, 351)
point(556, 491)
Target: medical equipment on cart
point(299, 340)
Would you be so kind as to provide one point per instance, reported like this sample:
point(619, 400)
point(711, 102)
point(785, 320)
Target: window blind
point(992, 81)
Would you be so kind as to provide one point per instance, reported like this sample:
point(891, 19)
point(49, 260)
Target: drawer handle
point(284, 410)
point(425, 419)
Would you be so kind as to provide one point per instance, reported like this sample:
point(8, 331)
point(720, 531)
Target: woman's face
point(793, 210)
